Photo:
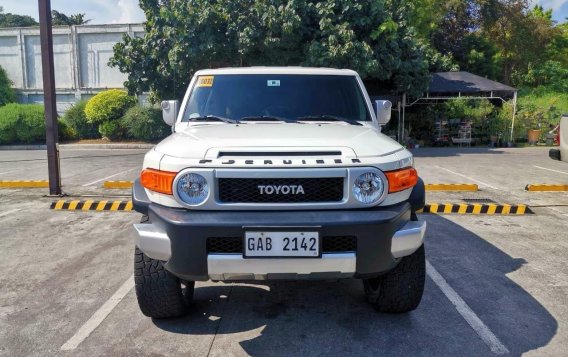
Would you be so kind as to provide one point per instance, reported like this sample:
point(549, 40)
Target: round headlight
point(192, 188)
point(368, 188)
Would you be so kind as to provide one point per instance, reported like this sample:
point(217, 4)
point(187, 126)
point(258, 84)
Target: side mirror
point(383, 111)
point(170, 109)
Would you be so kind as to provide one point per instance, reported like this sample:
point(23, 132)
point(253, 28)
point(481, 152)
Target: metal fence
point(81, 55)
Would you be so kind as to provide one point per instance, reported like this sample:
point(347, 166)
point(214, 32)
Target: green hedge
point(145, 123)
point(7, 94)
point(77, 119)
point(106, 109)
point(25, 124)
point(108, 105)
point(112, 130)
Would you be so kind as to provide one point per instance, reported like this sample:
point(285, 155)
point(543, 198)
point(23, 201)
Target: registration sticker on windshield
point(273, 83)
point(205, 81)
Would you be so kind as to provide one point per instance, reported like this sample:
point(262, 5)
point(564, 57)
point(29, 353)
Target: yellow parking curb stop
point(91, 205)
point(117, 184)
point(24, 184)
point(489, 209)
point(546, 187)
point(451, 187)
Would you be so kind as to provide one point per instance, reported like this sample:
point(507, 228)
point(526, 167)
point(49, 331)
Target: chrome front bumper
point(156, 244)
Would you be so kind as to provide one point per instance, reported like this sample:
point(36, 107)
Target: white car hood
point(194, 142)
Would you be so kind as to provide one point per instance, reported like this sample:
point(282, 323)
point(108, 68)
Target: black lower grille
point(225, 245)
point(339, 244)
point(280, 190)
point(333, 244)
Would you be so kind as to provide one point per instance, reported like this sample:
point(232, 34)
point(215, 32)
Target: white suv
point(278, 173)
point(562, 152)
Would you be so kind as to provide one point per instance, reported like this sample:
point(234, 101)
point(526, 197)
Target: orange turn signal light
point(158, 181)
point(402, 179)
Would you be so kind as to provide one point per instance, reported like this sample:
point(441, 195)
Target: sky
point(127, 11)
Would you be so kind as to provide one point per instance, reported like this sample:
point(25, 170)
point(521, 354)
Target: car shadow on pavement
point(321, 317)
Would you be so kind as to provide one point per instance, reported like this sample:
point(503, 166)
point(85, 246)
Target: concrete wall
point(81, 54)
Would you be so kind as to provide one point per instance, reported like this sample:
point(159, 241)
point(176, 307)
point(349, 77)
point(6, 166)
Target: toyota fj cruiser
point(278, 173)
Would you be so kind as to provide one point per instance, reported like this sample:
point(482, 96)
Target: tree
point(425, 16)
point(460, 19)
point(13, 20)
point(370, 36)
point(60, 19)
point(557, 49)
point(521, 35)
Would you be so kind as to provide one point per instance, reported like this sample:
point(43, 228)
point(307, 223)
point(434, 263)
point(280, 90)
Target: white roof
point(278, 70)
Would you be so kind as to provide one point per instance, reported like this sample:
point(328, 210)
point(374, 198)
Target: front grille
point(246, 190)
point(334, 244)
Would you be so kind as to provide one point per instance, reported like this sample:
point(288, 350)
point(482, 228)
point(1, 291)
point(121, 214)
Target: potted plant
point(533, 129)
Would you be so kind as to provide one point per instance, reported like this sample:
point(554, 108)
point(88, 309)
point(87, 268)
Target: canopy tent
point(453, 85)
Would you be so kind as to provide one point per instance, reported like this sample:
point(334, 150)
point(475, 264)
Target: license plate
point(300, 244)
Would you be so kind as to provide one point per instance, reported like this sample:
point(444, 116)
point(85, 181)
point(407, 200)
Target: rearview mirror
point(170, 110)
point(383, 111)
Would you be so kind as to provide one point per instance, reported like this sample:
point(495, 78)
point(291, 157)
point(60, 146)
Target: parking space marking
point(9, 212)
point(106, 178)
point(545, 168)
point(556, 210)
point(98, 317)
point(469, 178)
point(486, 335)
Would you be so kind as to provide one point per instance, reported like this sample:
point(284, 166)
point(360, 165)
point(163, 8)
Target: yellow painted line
point(128, 206)
point(24, 184)
point(462, 209)
point(521, 209)
point(115, 205)
point(491, 209)
point(546, 187)
point(452, 187)
point(117, 184)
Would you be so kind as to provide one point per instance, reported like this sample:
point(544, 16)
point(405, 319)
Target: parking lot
point(497, 284)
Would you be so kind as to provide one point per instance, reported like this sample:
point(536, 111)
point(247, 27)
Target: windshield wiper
point(267, 118)
point(326, 117)
point(214, 118)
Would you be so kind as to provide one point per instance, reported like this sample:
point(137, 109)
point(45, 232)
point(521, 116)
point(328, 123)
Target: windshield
point(276, 98)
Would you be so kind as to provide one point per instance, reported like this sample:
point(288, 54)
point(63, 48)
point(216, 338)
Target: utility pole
point(49, 100)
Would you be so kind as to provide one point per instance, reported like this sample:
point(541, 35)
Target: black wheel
point(401, 289)
point(159, 292)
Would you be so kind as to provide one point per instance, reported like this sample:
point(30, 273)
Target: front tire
point(158, 291)
point(401, 289)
